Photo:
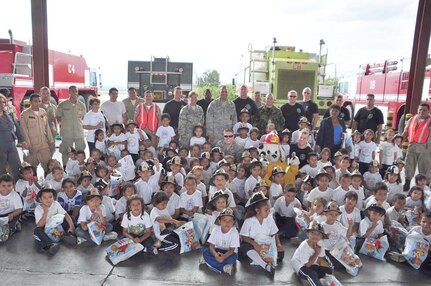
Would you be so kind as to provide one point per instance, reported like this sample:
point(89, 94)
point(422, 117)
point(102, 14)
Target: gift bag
point(4, 229)
point(97, 231)
point(344, 253)
point(114, 150)
point(413, 217)
point(30, 202)
point(375, 247)
point(330, 280)
point(416, 249)
point(53, 228)
point(200, 222)
point(127, 168)
point(269, 248)
point(300, 221)
point(398, 234)
point(188, 239)
point(122, 250)
point(115, 181)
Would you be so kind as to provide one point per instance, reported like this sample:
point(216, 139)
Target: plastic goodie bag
point(330, 280)
point(115, 181)
point(413, 217)
point(53, 228)
point(416, 249)
point(114, 150)
point(188, 238)
point(97, 231)
point(398, 234)
point(269, 248)
point(200, 222)
point(30, 202)
point(344, 253)
point(122, 250)
point(375, 247)
point(4, 228)
point(300, 221)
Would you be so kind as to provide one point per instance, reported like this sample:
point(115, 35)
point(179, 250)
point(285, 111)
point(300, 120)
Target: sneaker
point(80, 240)
point(69, 239)
point(155, 251)
point(110, 236)
point(202, 261)
point(270, 268)
point(53, 248)
point(295, 240)
point(18, 226)
point(157, 244)
point(396, 257)
point(228, 269)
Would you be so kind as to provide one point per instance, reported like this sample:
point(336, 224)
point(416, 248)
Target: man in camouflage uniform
point(221, 115)
point(269, 113)
point(51, 110)
point(190, 116)
point(228, 145)
point(131, 103)
point(69, 115)
point(35, 128)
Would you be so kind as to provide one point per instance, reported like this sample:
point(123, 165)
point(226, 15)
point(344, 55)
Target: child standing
point(224, 240)
point(244, 118)
point(284, 143)
point(100, 142)
point(306, 261)
point(325, 156)
point(242, 136)
point(10, 204)
point(134, 137)
point(387, 154)
point(239, 181)
point(165, 133)
point(43, 214)
point(367, 151)
point(258, 221)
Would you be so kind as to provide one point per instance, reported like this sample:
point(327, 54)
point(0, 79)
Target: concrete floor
point(20, 264)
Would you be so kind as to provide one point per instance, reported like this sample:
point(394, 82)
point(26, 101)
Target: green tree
point(215, 91)
point(209, 78)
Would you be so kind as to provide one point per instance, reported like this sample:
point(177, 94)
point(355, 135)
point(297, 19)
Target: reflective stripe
point(418, 132)
point(421, 136)
point(147, 118)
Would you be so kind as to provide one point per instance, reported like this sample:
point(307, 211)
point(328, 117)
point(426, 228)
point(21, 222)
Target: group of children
point(337, 195)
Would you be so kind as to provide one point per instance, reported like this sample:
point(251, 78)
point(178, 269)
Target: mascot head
point(270, 150)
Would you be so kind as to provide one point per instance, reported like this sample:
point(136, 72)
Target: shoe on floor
point(69, 239)
point(228, 269)
point(53, 248)
point(270, 268)
point(157, 244)
point(396, 257)
point(18, 226)
point(80, 240)
point(110, 236)
point(202, 261)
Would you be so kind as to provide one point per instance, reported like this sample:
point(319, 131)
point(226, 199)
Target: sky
point(217, 34)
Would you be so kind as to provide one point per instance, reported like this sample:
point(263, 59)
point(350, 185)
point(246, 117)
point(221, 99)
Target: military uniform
point(190, 116)
point(51, 111)
point(37, 134)
point(71, 126)
point(220, 116)
point(264, 114)
point(233, 149)
point(130, 107)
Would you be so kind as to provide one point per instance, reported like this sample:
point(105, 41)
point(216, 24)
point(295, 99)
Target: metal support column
point(40, 44)
point(419, 56)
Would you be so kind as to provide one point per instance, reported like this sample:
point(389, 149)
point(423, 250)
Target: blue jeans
point(86, 235)
point(213, 264)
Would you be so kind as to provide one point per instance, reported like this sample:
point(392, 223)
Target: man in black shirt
point(205, 102)
point(243, 101)
point(292, 111)
point(310, 108)
point(174, 106)
point(344, 112)
point(369, 117)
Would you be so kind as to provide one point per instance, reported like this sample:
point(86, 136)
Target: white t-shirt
point(316, 193)
point(120, 138)
point(113, 111)
point(284, 210)
point(21, 185)
point(120, 207)
point(173, 204)
point(303, 254)
point(250, 184)
point(251, 143)
point(366, 151)
point(393, 214)
point(202, 188)
point(10, 203)
point(85, 213)
point(410, 203)
point(188, 202)
point(133, 141)
point(54, 209)
point(136, 225)
point(110, 208)
point(339, 194)
point(93, 118)
point(393, 189)
point(241, 141)
point(418, 229)
point(372, 200)
point(388, 153)
point(55, 185)
point(252, 227)
point(275, 190)
point(319, 218)
point(224, 241)
point(239, 187)
point(146, 189)
point(101, 145)
point(311, 171)
point(335, 232)
point(230, 200)
point(355, 215)
point(339, 172)
point(361, 196)
point(165, 135)
point(154, 214)
point(197, 140)
point(366, 224)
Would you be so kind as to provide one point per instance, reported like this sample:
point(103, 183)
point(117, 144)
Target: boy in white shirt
point(350, 216)
point(276, 190)
point(284, 214)
point(191, 200)
point(367, 151)
point(148, 183)
point(10, 205)
point(372, 176)
point(134, 137)
point(356, 186)
point(340, 192)
point(165, 133)
point(117, 137)
point(311, 168)
point(371, 226)
point(322, 190)
point(255, 168)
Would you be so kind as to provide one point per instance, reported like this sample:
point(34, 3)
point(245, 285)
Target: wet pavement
point(20, 264)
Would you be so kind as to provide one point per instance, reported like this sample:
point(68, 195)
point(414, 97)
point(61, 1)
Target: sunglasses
point(292, 96)
point(228, 136)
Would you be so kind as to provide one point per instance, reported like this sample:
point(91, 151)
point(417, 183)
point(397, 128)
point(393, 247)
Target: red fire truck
point(388, 82)
point(16, 74)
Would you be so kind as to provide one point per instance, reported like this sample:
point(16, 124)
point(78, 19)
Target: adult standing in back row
point(173, 107)
point(131, 103)
point(243, 101)
point(369, 117)
point(292, 111)
point(310, 108)
point(114, 110)
point(205, 102)
point(148, 115)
